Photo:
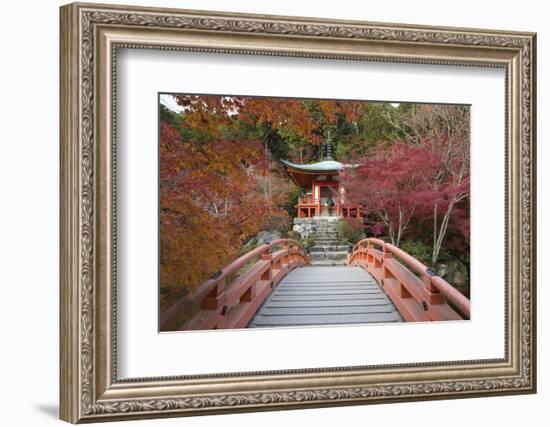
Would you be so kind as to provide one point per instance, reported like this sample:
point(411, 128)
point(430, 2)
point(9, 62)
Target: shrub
point(250, 245)
point(423, 251)
point(420, 250)
point(351, 230)
point(292, 234)
point(310, 241)
point(277, 220)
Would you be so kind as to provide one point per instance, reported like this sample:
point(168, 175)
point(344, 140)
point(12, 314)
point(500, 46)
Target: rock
point(307, 226)
point(304, 228)
point(456, 273)
point(267, 236)
point(301, 229)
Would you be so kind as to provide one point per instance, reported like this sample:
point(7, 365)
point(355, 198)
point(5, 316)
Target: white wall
point(29, 169)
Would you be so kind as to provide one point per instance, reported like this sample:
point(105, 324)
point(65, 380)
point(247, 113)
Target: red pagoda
point(324, 195)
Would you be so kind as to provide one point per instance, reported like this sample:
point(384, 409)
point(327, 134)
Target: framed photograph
point(267, 212)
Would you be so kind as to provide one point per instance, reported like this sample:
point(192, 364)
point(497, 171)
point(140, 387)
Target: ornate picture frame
point(90, 37)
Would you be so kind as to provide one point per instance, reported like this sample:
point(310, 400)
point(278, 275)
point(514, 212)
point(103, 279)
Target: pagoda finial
point(329, 147)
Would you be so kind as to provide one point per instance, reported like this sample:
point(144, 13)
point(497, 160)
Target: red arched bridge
point(275, 285)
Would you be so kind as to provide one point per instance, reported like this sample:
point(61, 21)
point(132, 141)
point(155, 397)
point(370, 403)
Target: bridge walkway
point(326, 296)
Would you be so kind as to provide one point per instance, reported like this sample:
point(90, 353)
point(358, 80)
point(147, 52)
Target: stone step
point(325, 237)
point(326, 248)
point(325, 233)
point(327, 262)
point(325, 242)
point(318, 256)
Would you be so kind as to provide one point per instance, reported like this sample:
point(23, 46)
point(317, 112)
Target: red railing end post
point(215, 297)
point(434, 296)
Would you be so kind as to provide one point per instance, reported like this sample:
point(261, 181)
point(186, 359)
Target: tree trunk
point(399, 229)
point(389, 226)
point(443, 230)
point(434, 253)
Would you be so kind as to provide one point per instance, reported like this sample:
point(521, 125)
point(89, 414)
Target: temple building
point(324, 195)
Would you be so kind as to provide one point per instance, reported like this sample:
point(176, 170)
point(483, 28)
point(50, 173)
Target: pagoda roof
point(320, 167)
point(304, 174)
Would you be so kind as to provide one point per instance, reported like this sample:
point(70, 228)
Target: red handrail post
point(268, 274)
point(285, 262)
point(386, 273)
point(250, 293)
point(370, 248)
point(435, 297)
point(215, 297)
point(386, 252)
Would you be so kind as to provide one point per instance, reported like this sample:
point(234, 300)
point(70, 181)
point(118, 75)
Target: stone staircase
point(327, 249)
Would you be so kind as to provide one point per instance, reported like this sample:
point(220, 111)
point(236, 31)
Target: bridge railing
point(231, 297)
point(419, 295)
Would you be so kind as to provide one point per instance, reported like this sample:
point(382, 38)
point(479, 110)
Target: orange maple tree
point(216, 185)
point(208, 206)
point(306, 118)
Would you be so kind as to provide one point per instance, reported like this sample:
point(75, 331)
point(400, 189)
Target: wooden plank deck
point(325, 296)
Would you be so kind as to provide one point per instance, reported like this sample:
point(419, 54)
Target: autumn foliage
point(221, 181)
point(418, 185)
point(208, 205)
